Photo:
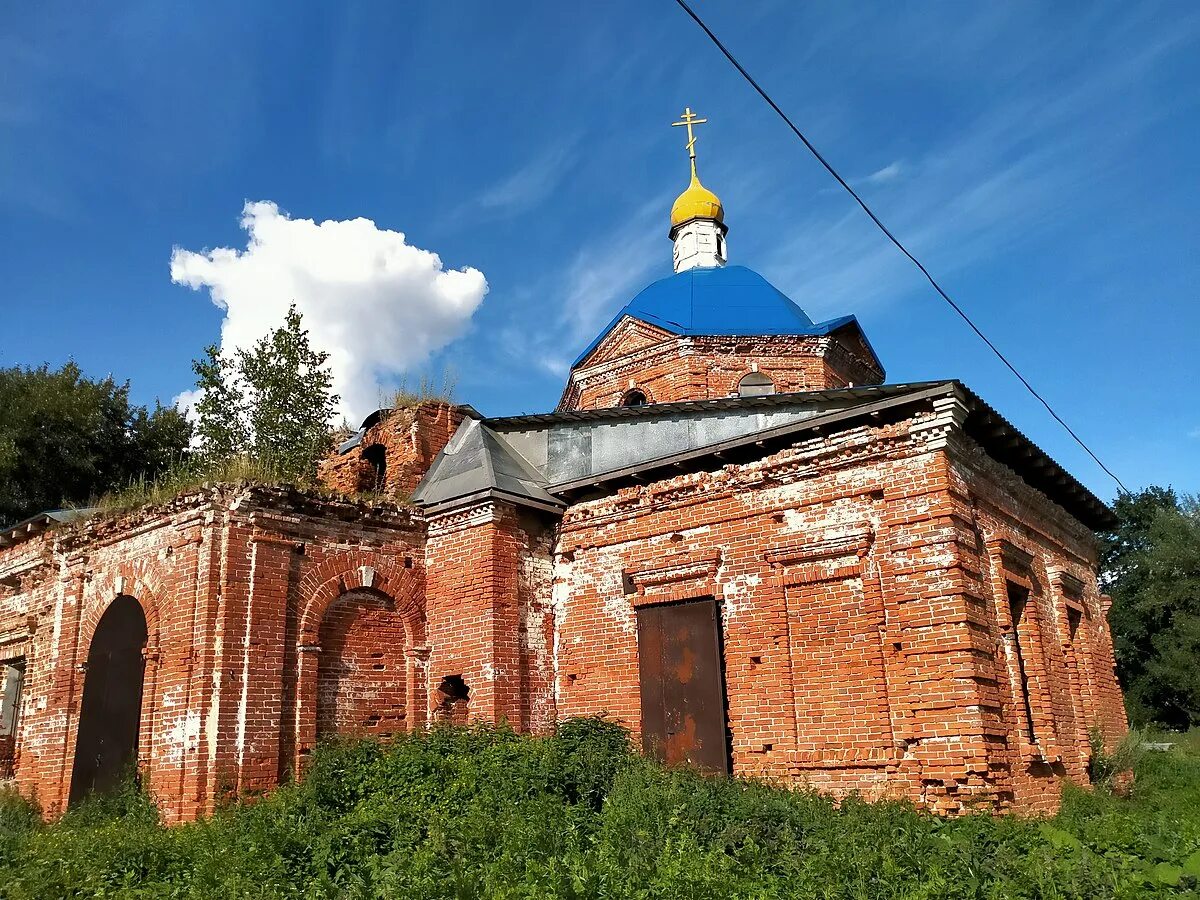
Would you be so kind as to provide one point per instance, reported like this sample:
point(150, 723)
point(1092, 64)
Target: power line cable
point(891, 237)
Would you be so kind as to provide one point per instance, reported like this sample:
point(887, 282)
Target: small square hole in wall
point(755, 662)
point(572, 677)
point(408, 562)
point(767, 748)
point(779, 518)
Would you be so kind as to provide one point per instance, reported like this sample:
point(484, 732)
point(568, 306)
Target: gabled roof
point(548, 461)
point(477, 464)
point(726, 300)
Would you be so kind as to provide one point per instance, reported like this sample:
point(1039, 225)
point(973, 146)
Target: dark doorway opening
point(376, 456)
point(106, 747)
point(683, 685)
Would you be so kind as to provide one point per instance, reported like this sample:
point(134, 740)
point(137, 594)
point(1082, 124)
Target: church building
point(733, 535)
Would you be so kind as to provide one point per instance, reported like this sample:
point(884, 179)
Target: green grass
point(486, 813)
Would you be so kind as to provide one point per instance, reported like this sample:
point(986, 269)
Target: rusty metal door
point(683, 684)
point(106, 746)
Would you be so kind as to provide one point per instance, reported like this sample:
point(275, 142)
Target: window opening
point(634, 398)
point(756, 384)
point(1018, 598)
point(376, 455)
point(1074, 620)
point(453, 697)
point(12, 682)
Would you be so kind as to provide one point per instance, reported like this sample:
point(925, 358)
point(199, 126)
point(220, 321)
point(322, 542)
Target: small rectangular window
point(1074, 619)
point(1018, 598)
point(12, 680)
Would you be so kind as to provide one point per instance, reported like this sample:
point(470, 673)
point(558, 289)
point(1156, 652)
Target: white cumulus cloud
point(378, 305)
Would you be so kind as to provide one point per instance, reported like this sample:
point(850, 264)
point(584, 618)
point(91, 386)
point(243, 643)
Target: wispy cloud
point(529, 185)
point(1019, 167)
point(1194, 434)
point(586, 293)
point(890, 172)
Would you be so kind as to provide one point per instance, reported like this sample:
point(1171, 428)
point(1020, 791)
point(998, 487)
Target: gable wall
point(703, 368)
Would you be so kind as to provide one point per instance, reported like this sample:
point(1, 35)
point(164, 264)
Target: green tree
point(65, 439)
point(1151, 568)
point(221, 429)
point(273, 401)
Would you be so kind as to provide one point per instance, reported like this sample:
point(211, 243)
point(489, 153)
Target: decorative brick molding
point(675, 579)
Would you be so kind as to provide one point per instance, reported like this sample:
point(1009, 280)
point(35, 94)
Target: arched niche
point(106, 743)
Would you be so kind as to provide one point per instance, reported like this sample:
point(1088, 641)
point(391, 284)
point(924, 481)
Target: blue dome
point(729, 300)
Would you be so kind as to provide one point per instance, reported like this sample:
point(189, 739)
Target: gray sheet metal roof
point(548, 460)
point(477, 463)
point(34, 525)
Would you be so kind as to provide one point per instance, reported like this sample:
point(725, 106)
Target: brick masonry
point(666, 368)
point(864, 579)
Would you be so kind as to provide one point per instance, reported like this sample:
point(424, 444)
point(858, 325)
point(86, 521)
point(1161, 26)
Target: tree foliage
point(65, 439)
point(273, 401)
point(1151, 568)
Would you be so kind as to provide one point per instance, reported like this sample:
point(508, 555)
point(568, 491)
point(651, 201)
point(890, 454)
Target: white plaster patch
point(737, 591)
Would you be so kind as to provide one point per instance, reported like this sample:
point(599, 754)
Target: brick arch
point(362, 571)
point(145, 585)
point(332, 579)
point(641, 389)
point(735, 385)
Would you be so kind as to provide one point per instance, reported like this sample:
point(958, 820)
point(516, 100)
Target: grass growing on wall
point(485, 813)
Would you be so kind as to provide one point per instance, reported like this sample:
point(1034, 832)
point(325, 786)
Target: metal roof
point(725, 300)
point(477, 463)
point(27, 528)
point(563, 455)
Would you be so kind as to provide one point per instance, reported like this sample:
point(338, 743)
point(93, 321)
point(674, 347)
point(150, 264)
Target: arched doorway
point(362, 670)
point(106, 746)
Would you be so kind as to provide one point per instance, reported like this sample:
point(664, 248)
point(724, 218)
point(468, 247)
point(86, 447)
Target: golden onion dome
point(697, 202)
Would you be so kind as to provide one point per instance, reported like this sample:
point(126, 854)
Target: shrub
point(484, 812)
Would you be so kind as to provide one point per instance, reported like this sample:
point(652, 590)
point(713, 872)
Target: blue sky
point(1041, 158)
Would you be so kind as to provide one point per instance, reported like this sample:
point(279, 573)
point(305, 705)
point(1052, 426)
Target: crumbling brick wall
point(490, 625)
point(860, 653)
point(406, 440)
point(235, 585)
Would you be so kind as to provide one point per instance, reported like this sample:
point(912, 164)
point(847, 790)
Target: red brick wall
point(361, 684)
point(488, 612)
point(862, 580)
point(411, 438)
point(235, 586)
point(670, 368)
point(861, 649)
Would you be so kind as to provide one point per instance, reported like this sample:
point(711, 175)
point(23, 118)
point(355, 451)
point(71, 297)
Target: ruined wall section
point(1048, 672)
point(234, 584)
point(410, 438)
point(704, 368)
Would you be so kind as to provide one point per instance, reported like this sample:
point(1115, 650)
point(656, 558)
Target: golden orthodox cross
point(689, 119)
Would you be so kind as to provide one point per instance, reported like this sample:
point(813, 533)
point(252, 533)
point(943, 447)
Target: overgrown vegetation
point(425, 388)
point(272, 402)
point(485, 813)
point(66, 438)
point(1151, 568)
